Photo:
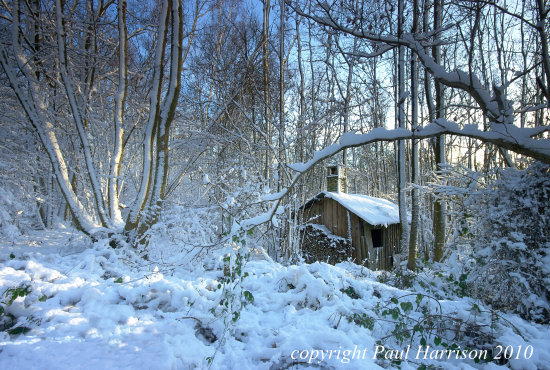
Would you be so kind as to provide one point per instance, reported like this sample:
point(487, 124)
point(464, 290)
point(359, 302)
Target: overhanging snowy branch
point(493, 102)
point(519, 140)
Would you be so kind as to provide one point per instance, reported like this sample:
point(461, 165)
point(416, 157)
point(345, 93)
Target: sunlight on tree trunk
point(402, 176)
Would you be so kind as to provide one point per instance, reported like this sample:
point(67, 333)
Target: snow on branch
point(519, 140)
point(494, 104)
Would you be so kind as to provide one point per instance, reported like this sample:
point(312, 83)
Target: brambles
point(233, 296)
point(362, 320)
point(419, 318)
point(13, 293)
point(8, 322)
point(350, 292)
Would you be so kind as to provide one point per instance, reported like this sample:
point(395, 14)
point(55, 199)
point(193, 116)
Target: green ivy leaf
point(394, 300)
point(437, 341)
point(43, 298)
point(19, 330)
point(406, 306)
point(236, 316)
point(395, 313)
point(423, 341)
point(119, 280)
point(248, 296)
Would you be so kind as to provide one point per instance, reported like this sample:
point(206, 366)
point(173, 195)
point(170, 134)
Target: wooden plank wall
point(314, 214)
point(328, 212)
point(356, 238)
point(343, 229)
point(334, 216)
point(391, 238)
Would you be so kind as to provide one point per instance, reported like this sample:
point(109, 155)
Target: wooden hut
point(337, 225)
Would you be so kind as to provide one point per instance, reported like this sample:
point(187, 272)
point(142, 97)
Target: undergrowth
point(8, 321)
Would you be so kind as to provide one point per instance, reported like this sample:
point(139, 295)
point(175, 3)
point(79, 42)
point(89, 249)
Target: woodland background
point(118, 117)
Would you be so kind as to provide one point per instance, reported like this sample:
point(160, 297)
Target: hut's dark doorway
point(376, 236)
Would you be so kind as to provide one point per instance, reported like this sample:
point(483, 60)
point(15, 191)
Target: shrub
point(512, 243)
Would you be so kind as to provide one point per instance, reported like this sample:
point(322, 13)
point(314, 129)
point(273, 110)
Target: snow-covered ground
point(94, 307)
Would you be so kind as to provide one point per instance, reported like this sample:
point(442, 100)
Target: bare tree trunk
point(542, 10)
point(313, 79)
point(281, 158)
point(401, 165)
point(135, 213)
point(77, 114)
point(525, 66)
point(439, 217)
point(267, 92)
point(167, 113)
point(347, 98)
point(413, 239)
point(301, 91)
point(120, 99)
point(153, 189)
point(33, 103)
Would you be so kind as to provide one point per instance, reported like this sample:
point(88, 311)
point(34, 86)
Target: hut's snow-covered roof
point(375, 211)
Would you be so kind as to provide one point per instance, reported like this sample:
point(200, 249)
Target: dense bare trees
point(498, 108)
point(62, 81)
point(126, 101)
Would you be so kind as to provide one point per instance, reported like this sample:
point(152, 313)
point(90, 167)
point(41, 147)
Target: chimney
point(336, 178)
